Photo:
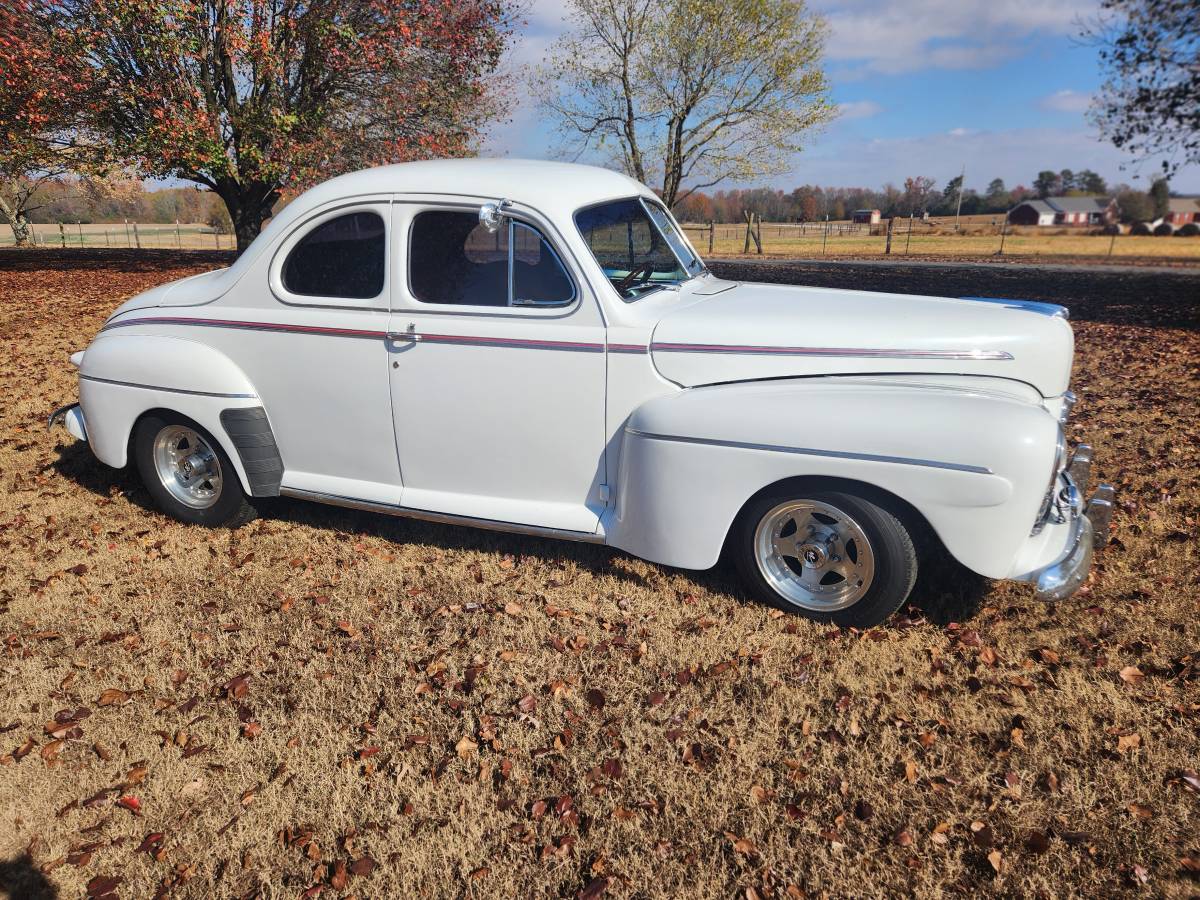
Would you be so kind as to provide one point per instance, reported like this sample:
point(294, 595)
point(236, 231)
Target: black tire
point(891, 545)
point(231, 507)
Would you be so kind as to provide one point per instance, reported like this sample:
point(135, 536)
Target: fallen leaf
point(995, 859)
point(1128, 742)
point(111, 697)
point(1132, 675)
point(363, 866)
point(465, 747)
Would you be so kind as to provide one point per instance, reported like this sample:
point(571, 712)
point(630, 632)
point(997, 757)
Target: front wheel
point(828, 555)
point(187, 473)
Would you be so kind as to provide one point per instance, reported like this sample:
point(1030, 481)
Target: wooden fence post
point(79, 226)
point(62, 235)
point(137, 238)
point(887, 250)
point(749, 217)
point(758, 233)
point(908, 237)
point(711, 229)
point(178, 239)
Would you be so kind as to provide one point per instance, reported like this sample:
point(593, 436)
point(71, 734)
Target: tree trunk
point(249, 206)
point(15, 218)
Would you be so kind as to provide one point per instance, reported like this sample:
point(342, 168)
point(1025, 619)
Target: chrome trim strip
point(1035, 306)
point(628, 348)
point(247, 325)
point(808, 451)
point(833, 352)
point(155, 387)
point(425, 515)
point(511, 343)
point(455, 339)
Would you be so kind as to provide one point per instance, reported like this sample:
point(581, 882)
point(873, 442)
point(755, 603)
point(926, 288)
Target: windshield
point(638, 246)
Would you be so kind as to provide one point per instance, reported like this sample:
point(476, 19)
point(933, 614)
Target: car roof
point(554, 188)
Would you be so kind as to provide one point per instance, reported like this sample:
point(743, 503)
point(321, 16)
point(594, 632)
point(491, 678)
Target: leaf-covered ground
point(325, 702)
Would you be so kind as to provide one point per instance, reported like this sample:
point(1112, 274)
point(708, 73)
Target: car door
point(307, 325)
point(497, 364)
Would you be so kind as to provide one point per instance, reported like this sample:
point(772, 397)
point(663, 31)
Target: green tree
point(1090, 183)
point(251, 98)
point(1066, 181)
point(1160, 197)
point(1150, 56)
point(1047, 184)
point(997, 198)
point(1135, 206)
point(688, 91)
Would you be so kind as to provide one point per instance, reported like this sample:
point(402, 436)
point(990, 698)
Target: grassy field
point(190, 237)
point(1045, 247)
point(335, 703)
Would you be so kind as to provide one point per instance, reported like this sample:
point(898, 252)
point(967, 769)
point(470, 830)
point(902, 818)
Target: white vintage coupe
point(537, 348)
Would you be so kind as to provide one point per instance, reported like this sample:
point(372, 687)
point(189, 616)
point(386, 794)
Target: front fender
point(123, 376)
point(975, 464)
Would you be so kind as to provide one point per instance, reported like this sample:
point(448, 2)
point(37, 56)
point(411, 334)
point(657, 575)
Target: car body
point(536, 347)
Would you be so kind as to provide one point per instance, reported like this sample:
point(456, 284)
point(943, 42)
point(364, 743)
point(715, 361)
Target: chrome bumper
point(71, 418)
point(1089, 530)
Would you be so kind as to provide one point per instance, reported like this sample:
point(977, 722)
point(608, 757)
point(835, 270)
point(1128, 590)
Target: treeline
point(70, 201)
point(918, 195)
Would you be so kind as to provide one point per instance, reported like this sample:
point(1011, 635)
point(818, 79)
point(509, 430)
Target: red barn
point(1182, 210)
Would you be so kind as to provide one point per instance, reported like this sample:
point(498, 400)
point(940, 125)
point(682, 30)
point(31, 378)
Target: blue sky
point(923, 87)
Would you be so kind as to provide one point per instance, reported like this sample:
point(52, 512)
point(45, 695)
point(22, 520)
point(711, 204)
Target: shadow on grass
point(945, 591)
point(20, 879)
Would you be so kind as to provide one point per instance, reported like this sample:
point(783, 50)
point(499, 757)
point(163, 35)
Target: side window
point(343, 257)
point(455, 260)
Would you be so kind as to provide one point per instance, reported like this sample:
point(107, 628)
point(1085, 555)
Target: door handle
point(410, 334)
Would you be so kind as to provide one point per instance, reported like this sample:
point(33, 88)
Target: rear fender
point(122, 377)
point(974, 464)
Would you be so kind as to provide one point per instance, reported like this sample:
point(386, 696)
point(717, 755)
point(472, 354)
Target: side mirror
point(491, 216)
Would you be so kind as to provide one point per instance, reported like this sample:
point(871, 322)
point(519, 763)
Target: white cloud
point(858, 109)
point(942, 34)
point(1016, 155)
point(1066, 101)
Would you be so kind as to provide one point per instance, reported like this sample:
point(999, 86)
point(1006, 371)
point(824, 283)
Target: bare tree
point(1150, 102)
point(689, 92)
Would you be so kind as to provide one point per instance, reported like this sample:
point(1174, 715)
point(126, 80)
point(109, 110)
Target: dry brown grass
point(484, 715)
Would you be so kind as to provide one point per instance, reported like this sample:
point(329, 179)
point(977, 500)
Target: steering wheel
point(637, 276)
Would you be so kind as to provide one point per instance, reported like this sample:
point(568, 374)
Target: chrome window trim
point(809, 451)
point(557, 307)
point(379, 205)
point(640, 199)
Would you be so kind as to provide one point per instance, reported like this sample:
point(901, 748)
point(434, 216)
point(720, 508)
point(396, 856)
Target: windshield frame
point(684, 265)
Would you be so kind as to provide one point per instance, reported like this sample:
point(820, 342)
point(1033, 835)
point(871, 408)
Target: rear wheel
point(828, 555)
point(187, 473)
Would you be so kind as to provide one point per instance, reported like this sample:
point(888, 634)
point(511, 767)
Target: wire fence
point(124, 235)
point(975, 236)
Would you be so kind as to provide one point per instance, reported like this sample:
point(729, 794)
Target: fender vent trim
point(254, 441)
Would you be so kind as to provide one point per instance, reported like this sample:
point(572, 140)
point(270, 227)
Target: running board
point(425, 515)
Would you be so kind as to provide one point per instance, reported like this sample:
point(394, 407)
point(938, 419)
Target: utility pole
point(962, 178)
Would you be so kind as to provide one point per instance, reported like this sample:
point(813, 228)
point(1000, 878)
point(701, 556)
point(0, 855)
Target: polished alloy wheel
point(814, 555)
point(187, 466)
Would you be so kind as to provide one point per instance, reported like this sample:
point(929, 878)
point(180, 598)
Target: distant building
point(1073, 211)
point(865, 217)
point(1182, 210)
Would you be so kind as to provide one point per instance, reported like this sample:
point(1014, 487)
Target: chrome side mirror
point(491, 216)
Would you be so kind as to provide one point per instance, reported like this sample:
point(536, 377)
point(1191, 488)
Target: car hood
point(195, 290)
point(757, 331)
